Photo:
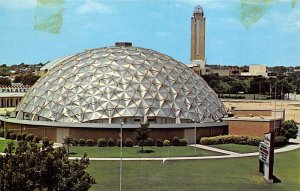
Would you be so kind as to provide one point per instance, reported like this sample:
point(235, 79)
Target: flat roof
point(255, 118)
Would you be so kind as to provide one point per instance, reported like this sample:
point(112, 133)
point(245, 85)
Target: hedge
point(281, 141)
point(183, 142)
point(128, 142)
point(13, 136)
point(119, 143)
point(90, 142)
point(36, 139)
point(29, 137)
point(74, 142)
point(110, 142)
point(149, 142)
point(159, 143)
point(176, 141)
point(82, 142)
point(19, 137)
point(166, 142)
point(45, 140)
point(226, 139)
point(102, 142)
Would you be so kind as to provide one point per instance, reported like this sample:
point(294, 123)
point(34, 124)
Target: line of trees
point(28, 79)
point(259, 85)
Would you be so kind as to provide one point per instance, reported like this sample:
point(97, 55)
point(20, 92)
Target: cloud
point(18, 4)
point(93, 6)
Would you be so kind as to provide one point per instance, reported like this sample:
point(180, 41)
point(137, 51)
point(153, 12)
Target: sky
point(238, 32)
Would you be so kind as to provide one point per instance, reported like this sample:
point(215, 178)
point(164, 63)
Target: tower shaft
point(198, 35)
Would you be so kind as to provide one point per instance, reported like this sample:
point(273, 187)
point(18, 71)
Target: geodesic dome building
point(132, 84)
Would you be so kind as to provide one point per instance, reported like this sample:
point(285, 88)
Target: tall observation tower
point(198, 38)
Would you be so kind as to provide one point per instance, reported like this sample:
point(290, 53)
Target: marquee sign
point(13, 89)
point(266, 157)
point(264, 152)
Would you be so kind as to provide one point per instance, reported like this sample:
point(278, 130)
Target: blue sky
point(274, 39)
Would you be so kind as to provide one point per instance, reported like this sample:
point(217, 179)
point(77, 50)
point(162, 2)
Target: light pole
point(121, 154)
point(195, 140)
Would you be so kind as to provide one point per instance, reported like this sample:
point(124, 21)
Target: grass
point(217, 174)
point(3, 144)
point(114, 152)
point(237, 148)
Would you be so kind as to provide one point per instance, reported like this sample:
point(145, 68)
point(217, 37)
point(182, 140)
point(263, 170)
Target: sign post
point(266, 157)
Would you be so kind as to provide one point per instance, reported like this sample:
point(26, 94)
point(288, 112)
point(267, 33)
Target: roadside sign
point(266, 157)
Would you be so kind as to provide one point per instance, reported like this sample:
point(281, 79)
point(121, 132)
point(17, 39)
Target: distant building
point(220, 72)
point(10, 96)
point(256, 70)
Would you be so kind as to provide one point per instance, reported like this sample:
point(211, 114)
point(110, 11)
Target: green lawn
point(236, 148)
point(218, 174)
point(133, 152)
point(3, 144)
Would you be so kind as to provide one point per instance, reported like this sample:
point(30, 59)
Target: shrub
point(110, 142)
point(280, 141)
point(82, 142)
point(36, 139)
point(289, 129)
point(128, 142)
point(166, 142)
point(226, 139)
point(150, 142)
point(24, 136)
point(102, 142)
point(90, 142)
point(74, 142)
point(7, 136)
point(159, 143)
point(19, 137)
point(67, 141)
point(1, 133)
point(29, 137)
point(119, 143)
point(254, 141)
point(45, 141)
point(176, 141)
point(13, 136)
point(183, 142)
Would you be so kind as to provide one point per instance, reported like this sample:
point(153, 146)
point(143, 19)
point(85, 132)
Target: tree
point(238, 86)
point(33, 168)
point(68, 142)
point(18, 79)
point(5, 81)
point(29, 79)
point(289, 129)
point(142, 134)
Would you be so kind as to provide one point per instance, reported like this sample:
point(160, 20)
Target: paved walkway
point(215, 149)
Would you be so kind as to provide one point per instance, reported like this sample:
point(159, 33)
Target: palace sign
point(12, 89)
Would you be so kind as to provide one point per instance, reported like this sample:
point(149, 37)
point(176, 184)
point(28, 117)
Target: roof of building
point(120, 81)
point(198, 9)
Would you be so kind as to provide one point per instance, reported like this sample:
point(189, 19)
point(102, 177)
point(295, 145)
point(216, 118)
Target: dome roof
point(114, 82)
point(198, 9)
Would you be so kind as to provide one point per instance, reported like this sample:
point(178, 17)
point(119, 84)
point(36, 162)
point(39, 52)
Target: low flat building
point(256, 70)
